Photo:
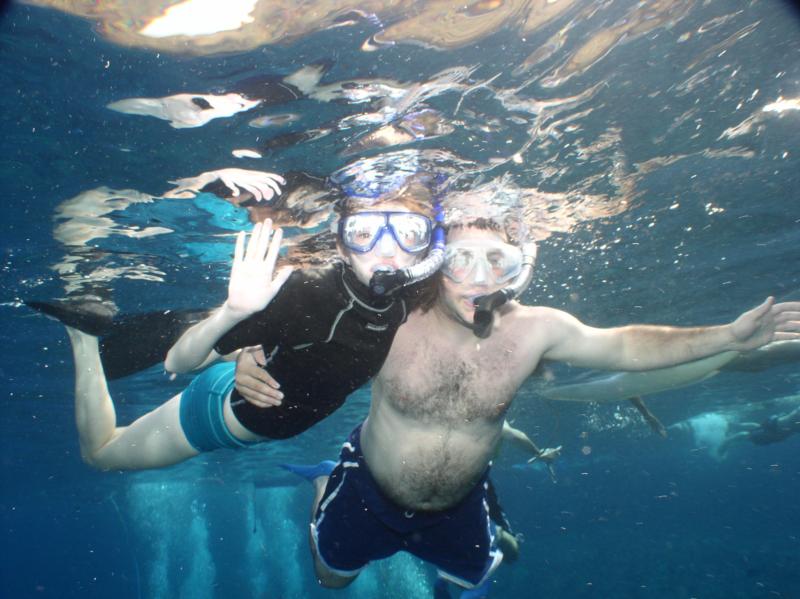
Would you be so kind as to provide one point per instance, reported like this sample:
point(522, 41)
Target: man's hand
point(766, 323)
point(262, 185)
point(253, 382)
point(548, 455)
point(252, 286)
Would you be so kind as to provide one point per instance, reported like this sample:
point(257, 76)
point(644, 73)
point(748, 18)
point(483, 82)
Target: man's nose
point(480, 275)
point(387, 246)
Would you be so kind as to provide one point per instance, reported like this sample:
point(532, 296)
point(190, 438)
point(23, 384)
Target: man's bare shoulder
point(538, 325)
point(540, 316)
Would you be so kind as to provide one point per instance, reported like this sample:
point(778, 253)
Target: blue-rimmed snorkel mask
point(385, 282)
point(376, 179)
point(360, 232)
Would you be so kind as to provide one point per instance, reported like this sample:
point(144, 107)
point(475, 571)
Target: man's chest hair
point(431, 380)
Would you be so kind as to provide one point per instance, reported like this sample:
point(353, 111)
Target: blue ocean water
point(666, 193)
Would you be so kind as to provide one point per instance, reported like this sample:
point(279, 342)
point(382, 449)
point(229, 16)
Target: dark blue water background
point(630, 516)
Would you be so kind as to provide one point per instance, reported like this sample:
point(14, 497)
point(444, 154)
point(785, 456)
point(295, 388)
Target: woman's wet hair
point(415, 195)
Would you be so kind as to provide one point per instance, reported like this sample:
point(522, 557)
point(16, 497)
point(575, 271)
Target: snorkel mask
point(386, 282)
point(486, 260)
point(497, 206)
point(485, 305)
point(414, 233)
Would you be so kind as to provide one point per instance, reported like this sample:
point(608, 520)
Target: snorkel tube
point(485, 305)
point(387, 282)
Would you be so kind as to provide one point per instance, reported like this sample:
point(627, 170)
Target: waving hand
point(253, 282)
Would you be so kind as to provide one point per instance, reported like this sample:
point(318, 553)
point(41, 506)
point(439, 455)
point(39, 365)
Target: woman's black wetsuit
point(324, 337)
point(324, 334)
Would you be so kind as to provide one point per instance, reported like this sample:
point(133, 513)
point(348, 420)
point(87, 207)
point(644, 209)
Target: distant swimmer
point(716, 431)
point(774, 429)
point(327, 321)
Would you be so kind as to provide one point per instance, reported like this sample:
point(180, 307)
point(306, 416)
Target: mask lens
point(504, 263)
point(411, 231)
point(458, 263)
point(360, 231)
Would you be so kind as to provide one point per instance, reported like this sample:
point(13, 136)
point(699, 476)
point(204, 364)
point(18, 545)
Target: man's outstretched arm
point(644, 347)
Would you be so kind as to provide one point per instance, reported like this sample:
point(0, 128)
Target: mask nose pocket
point(387, 244)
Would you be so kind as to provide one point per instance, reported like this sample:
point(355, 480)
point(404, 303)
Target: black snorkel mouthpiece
point(386, 282)
point(485, 305)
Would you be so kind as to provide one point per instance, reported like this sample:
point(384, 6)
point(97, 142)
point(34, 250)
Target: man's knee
point(328, 579)
point(325, 577)
point(91, 459)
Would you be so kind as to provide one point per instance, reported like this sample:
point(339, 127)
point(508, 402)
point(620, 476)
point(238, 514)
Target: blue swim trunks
point(356, 523)
point(201, 409)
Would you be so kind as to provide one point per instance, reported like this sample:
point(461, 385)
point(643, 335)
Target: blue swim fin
point(312, 471)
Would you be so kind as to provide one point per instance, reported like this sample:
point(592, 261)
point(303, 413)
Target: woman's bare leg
point(152, 441)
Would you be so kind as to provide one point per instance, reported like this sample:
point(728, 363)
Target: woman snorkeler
point(325, 332)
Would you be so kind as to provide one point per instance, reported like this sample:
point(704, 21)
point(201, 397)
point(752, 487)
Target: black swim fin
point(93, 318)
point(128, 344)
point(138, 341)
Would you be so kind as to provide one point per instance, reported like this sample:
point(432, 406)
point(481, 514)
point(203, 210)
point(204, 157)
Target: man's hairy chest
point(427, 379)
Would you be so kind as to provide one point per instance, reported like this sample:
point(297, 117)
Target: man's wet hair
point(483, 224)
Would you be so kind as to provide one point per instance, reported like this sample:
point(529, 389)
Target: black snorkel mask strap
point(385, 283)
point(485, 305)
